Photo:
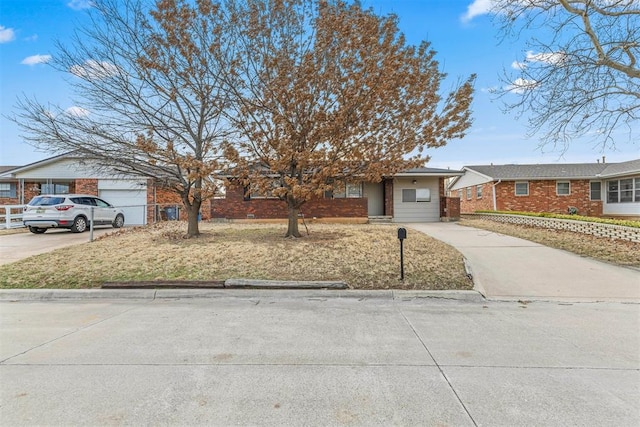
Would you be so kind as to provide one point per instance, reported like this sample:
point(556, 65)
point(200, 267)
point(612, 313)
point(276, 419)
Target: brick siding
point(388, 197)
point(30, 191)
point(234, 206)
point(84, 186)
point(542, 197)
point(165, 197)
point(451, 209)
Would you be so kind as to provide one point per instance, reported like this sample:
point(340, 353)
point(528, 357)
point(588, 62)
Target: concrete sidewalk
point(505, 267)
point(260, 358)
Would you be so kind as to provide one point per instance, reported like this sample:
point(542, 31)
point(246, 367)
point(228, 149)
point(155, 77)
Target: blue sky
point(460, 31)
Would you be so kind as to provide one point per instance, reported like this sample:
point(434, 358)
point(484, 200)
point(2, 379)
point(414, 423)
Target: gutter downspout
point(495, 204)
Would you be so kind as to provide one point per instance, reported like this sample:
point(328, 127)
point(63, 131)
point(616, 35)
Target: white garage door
point(132, 202)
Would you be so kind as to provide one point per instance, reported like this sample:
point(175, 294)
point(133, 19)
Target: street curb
point(477, 286)
point(153, 294)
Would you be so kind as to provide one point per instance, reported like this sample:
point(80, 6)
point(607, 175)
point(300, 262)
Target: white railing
point(11, 216)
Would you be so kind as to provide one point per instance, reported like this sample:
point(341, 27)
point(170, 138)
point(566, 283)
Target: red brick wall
point(452, 208)
point(30, 191)
point(543, 198)
point(12, 200)
point(84, 186)
point(165, 197)
point(235, 207)
point(388, 197)
point(483, 203)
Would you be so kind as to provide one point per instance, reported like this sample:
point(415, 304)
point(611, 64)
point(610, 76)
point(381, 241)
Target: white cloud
point(80, 4)
point(516, 65)
point(31, 38)
point(520, 85)
point(77, 111)
point(92, 69)
point(6, 34)
point(36, 59)
point(477, 8)
point(553, 58)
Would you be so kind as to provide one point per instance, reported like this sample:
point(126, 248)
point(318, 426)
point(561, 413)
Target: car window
point(82, 201)
point(101, 203)
point(46, 201)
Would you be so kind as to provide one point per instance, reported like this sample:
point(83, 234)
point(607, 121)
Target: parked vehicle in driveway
point(72, 211)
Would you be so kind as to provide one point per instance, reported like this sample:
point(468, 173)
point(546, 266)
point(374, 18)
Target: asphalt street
point(273, 358)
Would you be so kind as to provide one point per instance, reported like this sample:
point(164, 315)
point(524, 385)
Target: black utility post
point(402, 234)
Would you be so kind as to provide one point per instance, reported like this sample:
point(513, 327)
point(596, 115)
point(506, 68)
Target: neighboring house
point(8, 187)
point(140, 198)
point(417, 195)
point(593, 189)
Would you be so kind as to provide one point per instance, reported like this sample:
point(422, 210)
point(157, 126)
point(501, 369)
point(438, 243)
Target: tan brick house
point(593, 189)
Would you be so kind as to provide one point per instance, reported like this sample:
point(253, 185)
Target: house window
point(408, 195)
point(423, 195)
point(341, 190)
point(354, 191)
point(522, 188)
point(478, 191)
point(54, 188)
point(612, 191)
point(258, 192)
point(8, 190)
point(412, 195)
point(468, 193)
point(563, 188)
point(595, 190)
point(623, 190)
point(626, 190)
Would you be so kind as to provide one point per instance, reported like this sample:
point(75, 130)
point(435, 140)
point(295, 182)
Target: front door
point(374, 192)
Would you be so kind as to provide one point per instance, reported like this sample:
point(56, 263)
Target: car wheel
point(79, 225)
point(118, 222)
point(36, 230)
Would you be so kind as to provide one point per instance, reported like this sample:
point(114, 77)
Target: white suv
point(72, 211)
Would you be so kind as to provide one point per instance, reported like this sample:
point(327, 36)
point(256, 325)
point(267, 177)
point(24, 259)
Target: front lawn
point(364, 256)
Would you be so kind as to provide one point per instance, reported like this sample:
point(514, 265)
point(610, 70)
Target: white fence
point(11, 216)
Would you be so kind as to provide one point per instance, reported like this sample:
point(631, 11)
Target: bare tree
point(583, 79)
point(327, 92)
point(149, 96)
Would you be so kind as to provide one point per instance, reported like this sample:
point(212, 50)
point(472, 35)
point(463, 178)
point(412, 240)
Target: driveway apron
point(505, 267)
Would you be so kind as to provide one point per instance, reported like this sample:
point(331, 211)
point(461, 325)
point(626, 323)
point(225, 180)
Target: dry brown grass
point(619, 252)
point(364, 256)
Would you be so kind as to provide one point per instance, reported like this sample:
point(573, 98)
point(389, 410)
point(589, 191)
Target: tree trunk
point(193, 209)
point(292, 229)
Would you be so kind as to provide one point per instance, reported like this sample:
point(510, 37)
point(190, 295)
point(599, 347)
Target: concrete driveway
point(505, 267)
point(17, 246)
point(318, 359)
